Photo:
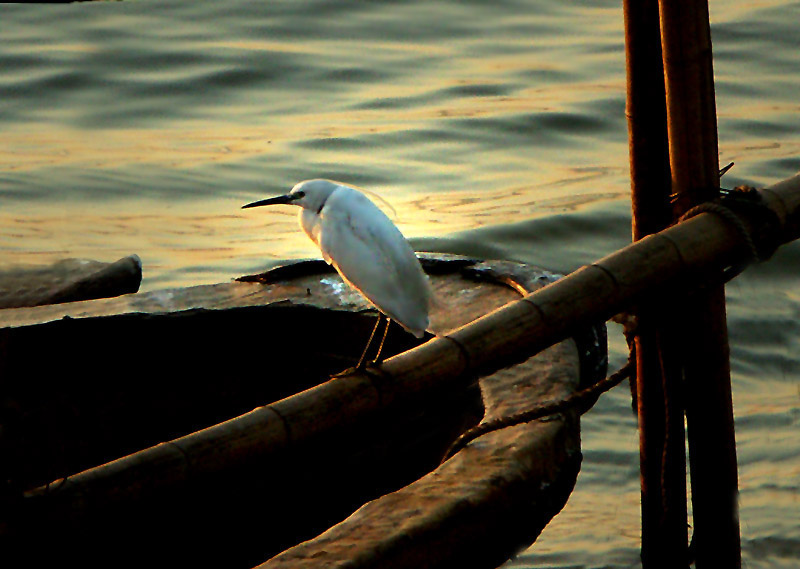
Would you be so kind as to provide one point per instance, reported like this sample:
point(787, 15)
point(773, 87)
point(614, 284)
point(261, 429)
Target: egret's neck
point(310, 222)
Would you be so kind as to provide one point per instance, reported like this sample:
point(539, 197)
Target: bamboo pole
point(647, 119)
point(691, 252)
point(658, 407)
point(692, 125)
point(691, 108)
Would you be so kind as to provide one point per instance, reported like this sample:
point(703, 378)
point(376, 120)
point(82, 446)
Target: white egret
point(366, 249)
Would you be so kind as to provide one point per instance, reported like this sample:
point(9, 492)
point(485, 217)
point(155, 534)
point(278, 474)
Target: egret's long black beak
point(288, 198)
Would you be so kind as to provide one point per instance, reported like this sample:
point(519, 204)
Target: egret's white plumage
point(365, 248)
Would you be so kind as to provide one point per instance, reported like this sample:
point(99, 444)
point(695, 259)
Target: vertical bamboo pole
point(693, 148)
point(647, 119)
point(659, 406)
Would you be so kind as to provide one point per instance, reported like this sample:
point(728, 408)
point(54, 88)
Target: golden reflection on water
point(167, 239)
point(201, 142)
point(210, 231)
point(311, 47)
point(176, 148)
point(219, 234)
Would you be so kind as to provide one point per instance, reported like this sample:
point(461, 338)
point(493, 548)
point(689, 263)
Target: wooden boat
point(267, 460)
point(69, 280)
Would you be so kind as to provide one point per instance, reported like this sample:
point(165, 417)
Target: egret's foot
point(372, 368)
point(349, 371)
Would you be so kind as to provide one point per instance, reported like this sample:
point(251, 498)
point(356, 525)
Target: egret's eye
point(300, 194)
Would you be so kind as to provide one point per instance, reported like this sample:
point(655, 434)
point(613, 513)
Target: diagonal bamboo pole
point(691, 252)
point(693, 145)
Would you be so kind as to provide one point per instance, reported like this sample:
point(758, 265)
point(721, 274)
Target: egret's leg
point(378, 359)
point(360, 364)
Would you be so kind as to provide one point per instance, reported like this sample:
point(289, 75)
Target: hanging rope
point(578, 399)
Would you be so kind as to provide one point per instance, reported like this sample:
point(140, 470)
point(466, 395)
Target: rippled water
point(496, 129)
